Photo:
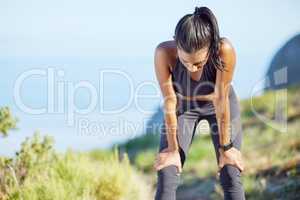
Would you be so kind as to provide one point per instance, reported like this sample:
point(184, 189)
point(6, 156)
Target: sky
point(128, 31)
point(83, 38)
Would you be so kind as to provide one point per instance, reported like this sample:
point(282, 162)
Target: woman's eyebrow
point(200, 62)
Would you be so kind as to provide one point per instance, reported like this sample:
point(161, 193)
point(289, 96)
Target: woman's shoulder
point(227, 54)
point(168, 49)
point(225, 46)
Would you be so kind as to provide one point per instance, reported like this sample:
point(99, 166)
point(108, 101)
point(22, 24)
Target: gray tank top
point(184, 85)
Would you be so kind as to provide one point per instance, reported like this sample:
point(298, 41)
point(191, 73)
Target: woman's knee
point(168, 181)
point(168, 177)
point(230, 177)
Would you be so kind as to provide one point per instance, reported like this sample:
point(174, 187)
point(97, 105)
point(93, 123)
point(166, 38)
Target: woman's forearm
point(223, 119)
point(171, 123)
point(171, 131)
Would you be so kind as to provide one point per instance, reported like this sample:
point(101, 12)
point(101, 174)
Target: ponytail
point(199, 30)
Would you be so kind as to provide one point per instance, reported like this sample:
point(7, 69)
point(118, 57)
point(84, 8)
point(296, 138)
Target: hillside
point(271, 151)
point(284, 68)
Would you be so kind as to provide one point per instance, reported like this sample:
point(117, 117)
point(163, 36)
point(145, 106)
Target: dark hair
point(198, 30)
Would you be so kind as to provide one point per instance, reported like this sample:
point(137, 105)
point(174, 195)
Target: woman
point(195, 71)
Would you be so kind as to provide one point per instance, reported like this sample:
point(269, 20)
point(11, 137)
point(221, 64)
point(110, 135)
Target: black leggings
point(230, 176)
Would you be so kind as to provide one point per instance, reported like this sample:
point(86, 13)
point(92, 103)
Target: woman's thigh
point(186, 126)
point(236, 132)
point(230, 176)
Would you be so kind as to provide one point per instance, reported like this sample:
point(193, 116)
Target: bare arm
point(163, 75)
point(222, 88)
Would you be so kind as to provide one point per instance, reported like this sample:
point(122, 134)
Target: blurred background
point(79, 92)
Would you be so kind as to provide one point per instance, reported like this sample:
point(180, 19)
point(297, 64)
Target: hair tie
point(197, 11)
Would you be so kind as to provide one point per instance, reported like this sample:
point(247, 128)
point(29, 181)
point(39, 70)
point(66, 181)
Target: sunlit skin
point(165, 57)
point(194, 62)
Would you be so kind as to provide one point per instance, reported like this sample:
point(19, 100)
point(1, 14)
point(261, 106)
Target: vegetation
point(271, 155)
point(7, 122)
point(37, 172)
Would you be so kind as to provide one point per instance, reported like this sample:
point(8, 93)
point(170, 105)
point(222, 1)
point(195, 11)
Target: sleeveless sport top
point(185, 85)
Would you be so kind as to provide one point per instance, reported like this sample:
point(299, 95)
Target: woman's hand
point(168, 157)
point(232, 156)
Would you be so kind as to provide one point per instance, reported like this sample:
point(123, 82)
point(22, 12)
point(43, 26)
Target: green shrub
point(7, 122)
point(39, 173)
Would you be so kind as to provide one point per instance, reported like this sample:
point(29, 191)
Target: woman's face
point(193, 61)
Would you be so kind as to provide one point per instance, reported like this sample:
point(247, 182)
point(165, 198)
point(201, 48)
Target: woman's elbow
point(170, 105)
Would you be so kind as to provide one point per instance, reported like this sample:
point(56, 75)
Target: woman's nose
point(193, 68)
